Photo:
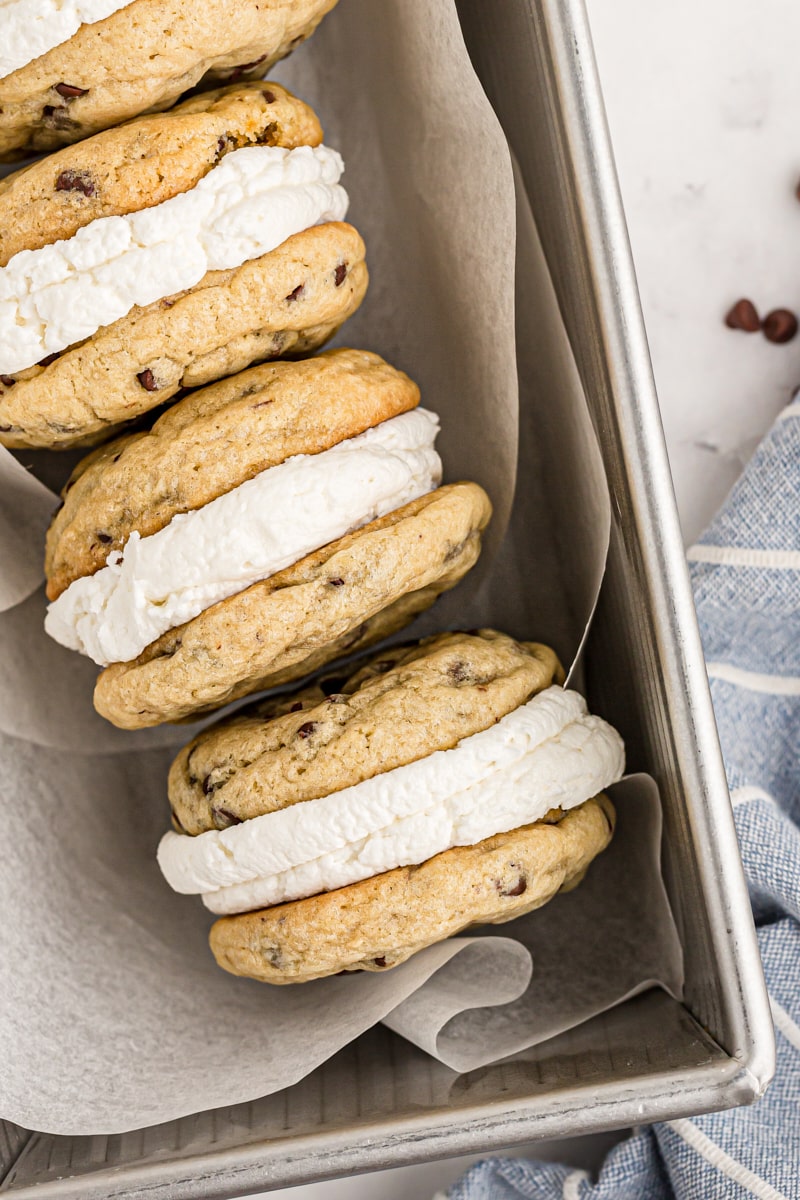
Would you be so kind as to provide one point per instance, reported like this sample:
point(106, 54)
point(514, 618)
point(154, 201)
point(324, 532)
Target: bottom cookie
point(382, 921)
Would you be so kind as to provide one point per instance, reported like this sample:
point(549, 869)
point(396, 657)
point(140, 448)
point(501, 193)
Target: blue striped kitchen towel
point(746, 577)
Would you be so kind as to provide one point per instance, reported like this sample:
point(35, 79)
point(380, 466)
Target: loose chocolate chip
point(519, 887)
point(380, 962)
point(779, 326)
point(297, 293)
point(7, 380)
point(336, 582)
point(297, 707)
point(75, 181)
point(306, 730)
point(105, 538)
point(743, 316)
point(267, 94)
point(223, 818)
point(69, 91)
point(45, 362)
point(148, 380)
point(339, 274)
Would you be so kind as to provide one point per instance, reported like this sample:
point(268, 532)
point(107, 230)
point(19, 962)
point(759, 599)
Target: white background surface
point(702, 101)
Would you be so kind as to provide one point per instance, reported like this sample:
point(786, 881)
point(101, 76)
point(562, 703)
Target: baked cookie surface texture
point(70, 68)
point(350, 824)
point(164, 254)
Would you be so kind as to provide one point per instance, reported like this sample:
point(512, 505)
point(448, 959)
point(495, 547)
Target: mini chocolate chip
point(306, 730)
point(105, 538)
point(297, 706)
point(743, 316)
point(519, 887)
point(7, 380)
point(297, 293)
point(223, 818)
point(380, 962)
point(148, 380)
point(779, 326)
point(75, 181)
point(221, 144)
point(339, 274)
point(267, 94)
point(336, 582)
point(69, 91)
point(45, 362)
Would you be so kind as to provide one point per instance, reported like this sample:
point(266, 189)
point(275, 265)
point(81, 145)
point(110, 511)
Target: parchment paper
point(113, 1012)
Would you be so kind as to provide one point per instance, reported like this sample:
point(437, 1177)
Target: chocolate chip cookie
point(355, 727)
point(140, 58)
point(286, 303)
point(335, 601)
point(212, 441)
point(381, 921)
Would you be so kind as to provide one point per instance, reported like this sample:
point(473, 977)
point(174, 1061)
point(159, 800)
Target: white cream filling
point(248, 534)
point(32, 27)
point(548, 753)
point(253, 200)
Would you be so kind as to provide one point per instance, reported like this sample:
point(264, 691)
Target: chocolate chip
point(6, 428)
point(45, 362)
point(459, 672)
point(519, 887)
point(336, 582)
point(743, 316)
point(7, 380)
point(269, 96)
point(223, 819)
point(267, 135)
point(380, 962)
point(208, 786)
point(297, 293)
point(306, 730)
point(75, 181)
point(261, 404)
point(221, 144)
point(297, 706)
point(69, 91)
point(148, 380)
point(105, 538)
point(339, 274)
point(779, 326)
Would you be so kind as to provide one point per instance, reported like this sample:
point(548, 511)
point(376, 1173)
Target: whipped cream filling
point(253, 200)
point(32, 27)
point(549, 753)
point(248, 534)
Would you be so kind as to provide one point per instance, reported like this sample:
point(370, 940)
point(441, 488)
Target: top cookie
point(145, 162)
point(141, 57)
point(212, 441)
point(405, 704)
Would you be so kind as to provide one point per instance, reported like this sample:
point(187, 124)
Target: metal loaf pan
point(380, 1102)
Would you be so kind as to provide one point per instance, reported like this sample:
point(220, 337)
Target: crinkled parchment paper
point(114, 1015)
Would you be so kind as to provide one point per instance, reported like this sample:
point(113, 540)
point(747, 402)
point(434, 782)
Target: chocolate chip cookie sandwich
point(264, 526)
point(165, 254)
point(70, 68)
point(349, 825)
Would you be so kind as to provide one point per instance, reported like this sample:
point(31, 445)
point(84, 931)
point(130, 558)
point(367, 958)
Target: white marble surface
point(702, 101)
